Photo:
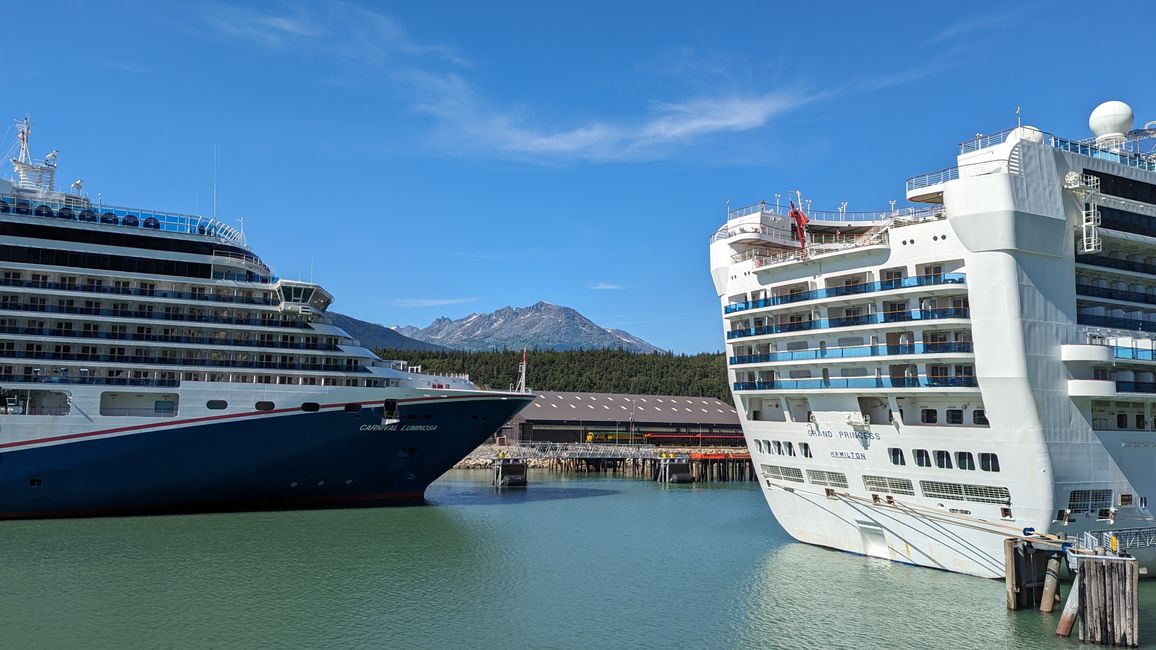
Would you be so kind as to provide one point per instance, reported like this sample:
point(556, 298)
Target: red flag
point(800, 224)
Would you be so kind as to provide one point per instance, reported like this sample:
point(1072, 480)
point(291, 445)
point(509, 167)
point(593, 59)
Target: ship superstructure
point(919, 383)
point(152, 362)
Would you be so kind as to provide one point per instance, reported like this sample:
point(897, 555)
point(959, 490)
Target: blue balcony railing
point(819, 383)
point(947, 347)
point(868, 319)
point(1116, 323)
point(1135, 387)
point(106, 381)
point(833, 292)
point(1115, 294)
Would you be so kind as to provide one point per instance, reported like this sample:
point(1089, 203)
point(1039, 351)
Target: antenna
point(215, 182)
point(522, 375)
point(1018, 122)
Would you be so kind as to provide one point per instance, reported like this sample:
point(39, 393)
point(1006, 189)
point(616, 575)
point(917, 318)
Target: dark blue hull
point(254, 461)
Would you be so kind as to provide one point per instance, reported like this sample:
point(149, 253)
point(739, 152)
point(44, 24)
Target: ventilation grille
point(1089, 500)
point(783, 473)
point(829, 479)
point(965, 492)
point(888, 485)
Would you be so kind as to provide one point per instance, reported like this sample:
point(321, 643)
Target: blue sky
point(434, 158)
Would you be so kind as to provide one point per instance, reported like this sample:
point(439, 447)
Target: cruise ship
point(920, 383)
point(151, 362)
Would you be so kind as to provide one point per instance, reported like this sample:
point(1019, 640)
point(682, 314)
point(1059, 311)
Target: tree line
point(595, 371)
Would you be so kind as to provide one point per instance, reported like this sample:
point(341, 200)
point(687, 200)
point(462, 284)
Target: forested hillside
point(607, 371)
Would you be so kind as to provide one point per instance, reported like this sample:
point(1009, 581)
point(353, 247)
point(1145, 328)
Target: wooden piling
point(1051, 585)
point(1108, 600)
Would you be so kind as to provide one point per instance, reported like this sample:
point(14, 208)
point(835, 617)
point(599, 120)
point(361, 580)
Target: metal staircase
point(1087, 189)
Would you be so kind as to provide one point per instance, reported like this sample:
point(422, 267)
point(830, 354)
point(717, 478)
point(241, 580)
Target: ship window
point(216, 405)
point(805, 447)
point(1139, 420)
point(988, 462)
point(778, 448)
point(922, 458)
point(942, 459)
point(979, 416)
point(1089, 500)
point(310, 407)
point(790, 448)
point(965, 460)
point(1125, 499)
point(929, 416)
point(954, 416)
point(265, 406)
point(1121, 421)
point(896, 456)
point(353, 408)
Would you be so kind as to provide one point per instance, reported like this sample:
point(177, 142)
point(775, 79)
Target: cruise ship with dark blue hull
point(152, 363)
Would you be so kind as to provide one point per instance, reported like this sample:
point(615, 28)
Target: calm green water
point(567, 563)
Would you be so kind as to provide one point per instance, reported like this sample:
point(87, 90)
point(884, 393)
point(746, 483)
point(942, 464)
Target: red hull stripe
point(210, 418)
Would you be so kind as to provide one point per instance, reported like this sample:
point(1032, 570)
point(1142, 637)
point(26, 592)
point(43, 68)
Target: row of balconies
point(825, 354)
point(935, 279)
point(168, 314)
point(900, 316)
point(347, 365)
point(96, 286)
point(168, 338)
point(878, 382)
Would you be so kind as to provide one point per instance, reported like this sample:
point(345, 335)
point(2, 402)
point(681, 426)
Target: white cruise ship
point(918, 384)
point(150, 362)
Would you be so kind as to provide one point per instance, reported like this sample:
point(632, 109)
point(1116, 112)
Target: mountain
point(542, 326)
point(376, 337)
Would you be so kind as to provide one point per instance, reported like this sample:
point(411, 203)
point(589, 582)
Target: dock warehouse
point(614, 418)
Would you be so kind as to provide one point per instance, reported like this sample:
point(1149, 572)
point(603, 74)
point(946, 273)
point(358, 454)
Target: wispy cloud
point(606, 286)
point(415, 303)
point(960, 28)
point(467, 122)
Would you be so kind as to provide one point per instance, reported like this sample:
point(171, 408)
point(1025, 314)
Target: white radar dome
point(1111, 121)
point(1030, 133)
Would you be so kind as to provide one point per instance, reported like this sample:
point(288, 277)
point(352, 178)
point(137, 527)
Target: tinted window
point(922, 458)
point(266, 406)
point(942, 459)
point(311, 407)
point(989, 462)
point(896, 456)
point(352, 408)
point(979, 416)
point(216, 404)
point(964, 460)
point(954, 416)
point(929, 416)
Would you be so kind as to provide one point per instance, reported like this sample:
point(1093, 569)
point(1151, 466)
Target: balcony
point(852, 321)
point(1134, 324)
point(854, 289)
point(104, 381)
point(157, 338)
point(155, 293)
point(818, 383)
point(1113, 263)
point(1115, 294)
point(947, 347)
point(1091, 388)
point(1087, 353)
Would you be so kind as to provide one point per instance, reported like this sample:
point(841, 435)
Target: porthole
point(216, 405)
point(265, 406)
point(310, 407)
point(353, 408)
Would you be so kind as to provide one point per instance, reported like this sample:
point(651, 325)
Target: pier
point(1103, 603)
point(628, 461)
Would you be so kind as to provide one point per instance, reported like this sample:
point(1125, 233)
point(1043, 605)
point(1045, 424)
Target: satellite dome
point(1111, 121)
point(1030, 133)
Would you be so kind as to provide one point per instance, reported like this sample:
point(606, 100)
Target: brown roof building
point(610, 417)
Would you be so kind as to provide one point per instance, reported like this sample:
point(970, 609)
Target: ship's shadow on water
point(470, 496)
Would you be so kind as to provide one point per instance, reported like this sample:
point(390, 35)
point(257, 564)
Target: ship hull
point(251, 461)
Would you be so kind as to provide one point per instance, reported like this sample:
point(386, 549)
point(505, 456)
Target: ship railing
point(1126, 538)
point(1087, 148)
point(819, 383)
point(161, 338)
point(155, 315)
point(930, 279)
point(970, 170)
point(836, 216)
point(849, 321)
point(250, 262)
point(822, 354)
point(137, 360)
point(132, 291)
point(122, 216)
point(104, 381)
